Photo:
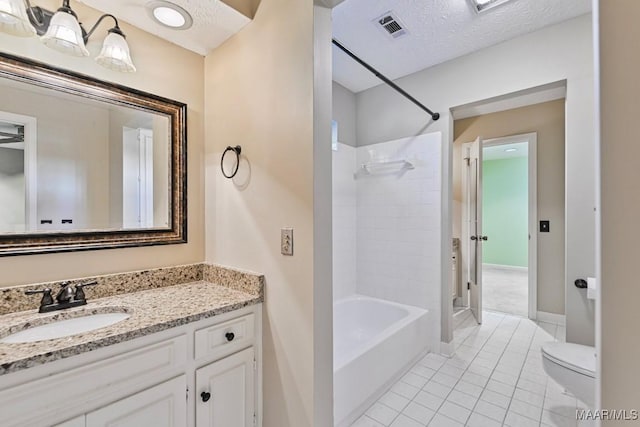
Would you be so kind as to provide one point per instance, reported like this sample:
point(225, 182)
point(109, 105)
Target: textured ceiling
point(439, 30)
point(213, 21)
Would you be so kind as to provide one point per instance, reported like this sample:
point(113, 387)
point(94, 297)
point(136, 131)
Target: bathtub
point(374, 341)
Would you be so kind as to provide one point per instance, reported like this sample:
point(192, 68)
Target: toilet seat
point(575, 357)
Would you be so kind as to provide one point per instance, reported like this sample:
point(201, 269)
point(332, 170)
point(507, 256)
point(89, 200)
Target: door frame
point(30, 165)
point(532, 140)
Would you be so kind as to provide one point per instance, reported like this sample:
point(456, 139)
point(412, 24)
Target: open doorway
point(509, 217)
point(18, 177)
point(508, 210)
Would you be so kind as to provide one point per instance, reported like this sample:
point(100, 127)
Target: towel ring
point(237, 150)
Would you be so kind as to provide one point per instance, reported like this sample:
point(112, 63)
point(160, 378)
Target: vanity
point(85, 165)
point(188, 354)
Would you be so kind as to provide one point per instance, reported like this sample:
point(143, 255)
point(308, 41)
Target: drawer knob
point(230, 336)
point(205, 395)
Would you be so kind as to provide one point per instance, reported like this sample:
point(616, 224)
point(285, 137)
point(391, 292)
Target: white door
point(225, 392)
point(164, 405)
point(473, 224)
point(137, 178)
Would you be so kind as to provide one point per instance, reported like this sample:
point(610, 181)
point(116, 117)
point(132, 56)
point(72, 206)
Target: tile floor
point(495, 378)
point(505, 290)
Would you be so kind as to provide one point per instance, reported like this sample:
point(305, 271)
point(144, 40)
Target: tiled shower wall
point(386, 227)
point(398, 224)
point(344, 222)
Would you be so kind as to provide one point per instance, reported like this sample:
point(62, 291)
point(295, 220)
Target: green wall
point(505, 211)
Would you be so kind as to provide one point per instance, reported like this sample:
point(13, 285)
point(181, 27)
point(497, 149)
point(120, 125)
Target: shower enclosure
point(386, 219)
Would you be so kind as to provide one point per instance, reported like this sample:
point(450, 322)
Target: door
point(473, 224)
point(164, 405)
point(225, 392)
point(137, 178)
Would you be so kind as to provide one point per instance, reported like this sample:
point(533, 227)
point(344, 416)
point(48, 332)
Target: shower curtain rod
point(434, 116)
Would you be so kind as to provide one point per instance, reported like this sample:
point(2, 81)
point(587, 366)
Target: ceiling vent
point(391, 25)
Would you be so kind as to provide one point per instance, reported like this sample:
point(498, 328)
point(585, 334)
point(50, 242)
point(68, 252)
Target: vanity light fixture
point(169, 15)
point(61, 31)
point(483, 5)
point(14, 20)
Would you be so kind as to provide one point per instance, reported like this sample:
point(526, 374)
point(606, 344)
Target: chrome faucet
point(67, 297)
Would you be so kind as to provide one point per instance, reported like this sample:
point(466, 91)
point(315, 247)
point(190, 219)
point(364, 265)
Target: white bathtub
point(373, 342)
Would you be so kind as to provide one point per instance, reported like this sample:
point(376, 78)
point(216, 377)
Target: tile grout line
point(518, 380)
point(494, 368)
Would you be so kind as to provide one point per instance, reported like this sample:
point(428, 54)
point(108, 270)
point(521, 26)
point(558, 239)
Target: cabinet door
point(164, 405)
point(225, 392)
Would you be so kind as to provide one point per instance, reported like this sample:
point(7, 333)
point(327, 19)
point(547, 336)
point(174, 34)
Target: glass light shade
point(115, 54)
point(14, 19)
point(64, 35)
point(169, 17)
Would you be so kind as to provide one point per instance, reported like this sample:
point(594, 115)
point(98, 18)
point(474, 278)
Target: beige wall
point(69, 158)
point(344, 112)
point(182, 79)
point(161, 172)
point(260, 94)
point(547, 120)
point(620, 205)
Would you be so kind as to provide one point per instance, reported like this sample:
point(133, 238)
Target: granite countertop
point(150, 311)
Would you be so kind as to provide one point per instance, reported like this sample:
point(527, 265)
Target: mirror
point(86, 164)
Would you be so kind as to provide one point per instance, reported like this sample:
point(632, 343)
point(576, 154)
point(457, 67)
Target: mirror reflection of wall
point(81, 175)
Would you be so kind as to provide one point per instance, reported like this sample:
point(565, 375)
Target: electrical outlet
point(286, 241)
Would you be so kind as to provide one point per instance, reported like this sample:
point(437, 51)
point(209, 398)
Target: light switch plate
point(286, 241)
point(545, 226)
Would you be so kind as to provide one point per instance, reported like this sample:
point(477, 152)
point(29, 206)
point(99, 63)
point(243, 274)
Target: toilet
point(573, 366)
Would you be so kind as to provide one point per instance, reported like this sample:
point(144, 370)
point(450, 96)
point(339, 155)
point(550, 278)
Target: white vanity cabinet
point(164, 405)
point(159, 380)
point(226, 392)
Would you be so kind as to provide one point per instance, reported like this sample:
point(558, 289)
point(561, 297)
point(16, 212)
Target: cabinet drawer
point(225, 338)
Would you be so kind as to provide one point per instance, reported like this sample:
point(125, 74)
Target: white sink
point(65, 328)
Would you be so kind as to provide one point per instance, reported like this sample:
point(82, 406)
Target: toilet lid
point(578, 358)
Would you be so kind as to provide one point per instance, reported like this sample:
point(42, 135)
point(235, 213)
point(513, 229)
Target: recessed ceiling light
point(170, 15)
point(483, 5)
point(510, 150)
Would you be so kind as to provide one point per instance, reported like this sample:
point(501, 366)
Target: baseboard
point(447, 348)
point(558, 319)
point(505, 267)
